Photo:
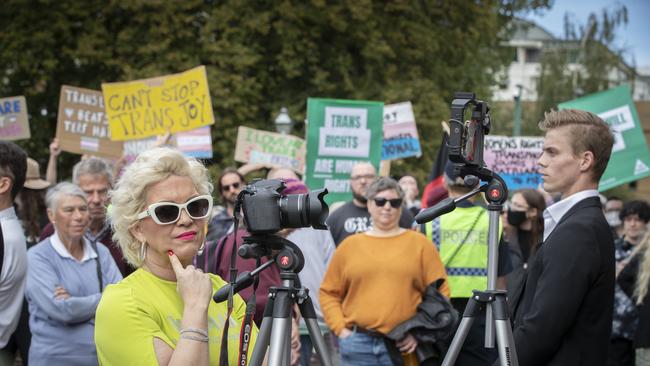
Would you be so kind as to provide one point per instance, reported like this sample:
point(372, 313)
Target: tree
point(585, 61)
point(259, 56)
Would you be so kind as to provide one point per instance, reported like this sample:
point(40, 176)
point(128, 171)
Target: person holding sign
point(353, 217)
point(567, 303)
point(163, 312)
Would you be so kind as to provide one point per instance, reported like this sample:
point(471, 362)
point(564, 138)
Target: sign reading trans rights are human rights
point(340, 134)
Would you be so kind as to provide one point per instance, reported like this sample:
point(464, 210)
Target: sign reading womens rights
point(257, 146)
point(341, 133)
point(400, 132)
point(630, 159)
point(150, 107)
point(14, 123)
point(514, 159)
point(82, 127)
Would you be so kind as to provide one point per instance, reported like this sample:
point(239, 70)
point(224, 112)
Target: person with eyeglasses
point(65, 281)
point(229, 184)
point(376, 280)
point(163, 312)
point(353, 216)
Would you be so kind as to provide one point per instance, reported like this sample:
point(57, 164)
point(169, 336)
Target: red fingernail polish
point(170, 252)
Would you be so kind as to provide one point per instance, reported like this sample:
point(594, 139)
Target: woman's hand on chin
point(194, 286)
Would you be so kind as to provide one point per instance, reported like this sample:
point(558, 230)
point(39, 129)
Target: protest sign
point(400, 133)
point(258, 146)
point(514, 159)
point(14, 123)
point(630, 159)
point(341, 133)
point(82, 127)
point(150, 107)
point(196, 143)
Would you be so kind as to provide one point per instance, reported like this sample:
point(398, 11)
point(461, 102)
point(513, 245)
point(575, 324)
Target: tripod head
point(494, 188)
point(281, 251)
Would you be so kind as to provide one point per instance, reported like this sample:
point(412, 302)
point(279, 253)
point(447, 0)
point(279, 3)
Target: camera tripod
point(492, 300)
point(275, 331)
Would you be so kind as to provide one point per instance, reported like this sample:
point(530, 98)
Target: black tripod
point(275, 331)
point(492, 300)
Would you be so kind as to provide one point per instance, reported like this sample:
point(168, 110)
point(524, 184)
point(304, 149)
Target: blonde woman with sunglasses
point(163, 313)
point(376, 280)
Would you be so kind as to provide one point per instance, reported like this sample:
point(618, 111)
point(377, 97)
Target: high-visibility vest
point(462, 240)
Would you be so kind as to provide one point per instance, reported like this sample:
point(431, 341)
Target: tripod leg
point(309, 314)
point(471, 312)
point(281, 327)
point(505, 340)
point(264, 335)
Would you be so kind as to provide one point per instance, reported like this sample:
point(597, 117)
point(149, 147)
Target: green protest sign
point(341, 133)
point(630, 158)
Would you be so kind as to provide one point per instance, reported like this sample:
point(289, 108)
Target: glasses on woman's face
point(394, 203)
point(165, 213)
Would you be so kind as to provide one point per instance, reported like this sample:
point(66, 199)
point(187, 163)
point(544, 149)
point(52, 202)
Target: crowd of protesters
point(113, 268)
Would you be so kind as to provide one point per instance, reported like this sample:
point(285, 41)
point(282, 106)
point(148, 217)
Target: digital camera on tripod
point(265, 212)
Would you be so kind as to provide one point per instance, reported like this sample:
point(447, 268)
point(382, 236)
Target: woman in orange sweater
point(376, 280)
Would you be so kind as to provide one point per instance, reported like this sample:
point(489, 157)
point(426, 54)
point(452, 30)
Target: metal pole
point(516, 130)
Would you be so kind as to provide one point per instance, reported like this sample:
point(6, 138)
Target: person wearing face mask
point(634, 216)
point(613, 208)
point(526, 228)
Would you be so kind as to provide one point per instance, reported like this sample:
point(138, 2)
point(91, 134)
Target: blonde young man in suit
point(565, 315)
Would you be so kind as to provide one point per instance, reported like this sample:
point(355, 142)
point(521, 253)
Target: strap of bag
point(98, 264)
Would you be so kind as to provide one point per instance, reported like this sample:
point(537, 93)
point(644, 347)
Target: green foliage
point(591, 46)
point(259, 56)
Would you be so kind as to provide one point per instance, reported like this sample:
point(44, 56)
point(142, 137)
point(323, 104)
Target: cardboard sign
point(340, 134)
point(514, 159)
point(257, 146)
point(14, 123)
point(630, 159)
point(400, 132)
point(151, 107)
point(196, 143)
point(82, 127)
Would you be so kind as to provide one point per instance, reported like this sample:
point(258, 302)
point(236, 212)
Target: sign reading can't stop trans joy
point(150, 107)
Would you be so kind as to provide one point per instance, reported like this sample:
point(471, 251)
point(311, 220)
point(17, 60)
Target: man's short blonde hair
point(129, 197)
point(588, 133)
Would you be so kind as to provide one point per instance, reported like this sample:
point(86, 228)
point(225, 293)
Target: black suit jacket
point(565, 317)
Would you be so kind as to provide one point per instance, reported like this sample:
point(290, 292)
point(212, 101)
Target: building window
point(533, 55)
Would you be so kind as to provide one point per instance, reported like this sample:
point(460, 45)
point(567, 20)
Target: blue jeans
point(360, 349)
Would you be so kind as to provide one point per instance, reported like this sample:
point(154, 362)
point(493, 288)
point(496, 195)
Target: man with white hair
point(353, 217)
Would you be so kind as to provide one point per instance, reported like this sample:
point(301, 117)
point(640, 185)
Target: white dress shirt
point(554, 213)
point(14, 273)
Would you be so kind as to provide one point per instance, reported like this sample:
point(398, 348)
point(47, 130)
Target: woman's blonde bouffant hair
point(129, 197)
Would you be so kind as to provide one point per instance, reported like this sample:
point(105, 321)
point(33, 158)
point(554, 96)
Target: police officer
point(462, 240)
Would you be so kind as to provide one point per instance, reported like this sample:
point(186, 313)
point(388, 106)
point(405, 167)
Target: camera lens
point(302, 210)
